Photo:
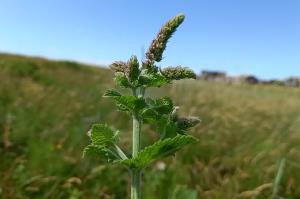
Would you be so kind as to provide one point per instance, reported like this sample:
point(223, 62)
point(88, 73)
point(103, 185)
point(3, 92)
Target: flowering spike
point(119, 66)
point(134, 71)
point(159, 44)
point(176, 73)
point(129, 69)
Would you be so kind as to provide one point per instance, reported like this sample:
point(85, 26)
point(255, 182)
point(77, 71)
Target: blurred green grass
point(48, 106)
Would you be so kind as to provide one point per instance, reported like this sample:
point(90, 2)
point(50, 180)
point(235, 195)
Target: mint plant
point(161, 112)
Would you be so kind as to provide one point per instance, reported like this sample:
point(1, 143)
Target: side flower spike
point(177, 73)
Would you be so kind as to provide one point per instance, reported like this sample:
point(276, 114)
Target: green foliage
point(127, 103)
point(152, 79)
point(103, 143)
point(102, 135)
point(162, 105)
point(162, 114)
point(158, 111)
point(101, 152)
point(130, 103)
point(158, 150)
point(122, 81)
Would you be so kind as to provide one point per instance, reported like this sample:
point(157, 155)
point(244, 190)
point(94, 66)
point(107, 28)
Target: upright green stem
point(136, 138)
point(136, 135)
point(136, 184)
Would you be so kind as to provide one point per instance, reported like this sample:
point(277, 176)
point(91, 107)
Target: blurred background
point(53, 71)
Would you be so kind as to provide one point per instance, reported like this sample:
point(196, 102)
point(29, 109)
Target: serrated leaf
point(152, 80)
point(156, 109)
point(130, 103)
point(121, 80)
point(103, 135)
point(149, 115)
point(159, 150)
point(163, 105)
point(126, 103)
point(104, 143)
point(99, 151)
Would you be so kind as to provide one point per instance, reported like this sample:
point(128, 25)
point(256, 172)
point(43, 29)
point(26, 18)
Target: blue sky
point(260, 37)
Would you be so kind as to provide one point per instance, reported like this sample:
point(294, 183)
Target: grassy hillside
point(47, 107)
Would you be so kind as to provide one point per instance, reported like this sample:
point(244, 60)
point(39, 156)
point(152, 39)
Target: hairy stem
point(136, 135)
point(136, 138)
point(136, 184)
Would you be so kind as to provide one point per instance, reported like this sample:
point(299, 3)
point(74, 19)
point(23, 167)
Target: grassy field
point(46, 107)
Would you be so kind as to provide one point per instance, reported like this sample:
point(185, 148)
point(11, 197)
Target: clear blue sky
point(260, 37)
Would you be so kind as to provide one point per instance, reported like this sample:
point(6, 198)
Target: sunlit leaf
point(100, 152)
point(104, 143)
point(121, 80)
point(152, 80)
point(103, 135)
point(160, 149)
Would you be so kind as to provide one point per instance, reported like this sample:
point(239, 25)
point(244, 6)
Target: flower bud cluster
point(130, 68)
point(187, 122)
point(177, 73)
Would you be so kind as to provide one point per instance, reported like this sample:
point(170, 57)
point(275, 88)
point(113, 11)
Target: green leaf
point(101, 152)
point(152, 80)
point(122, 81)
point(130, 103)
point(149, 115)
point(157, 108)
point(170, 129)
point(158, 150)
point(126, 103)
point(103, 135)
point(163, 105)
point(104, 143)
